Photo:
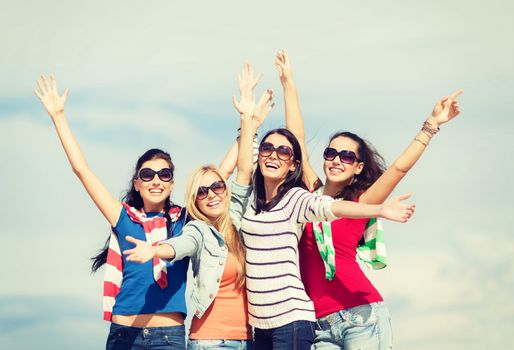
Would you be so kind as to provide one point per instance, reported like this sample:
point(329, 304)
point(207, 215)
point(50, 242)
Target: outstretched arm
point(294, 119)
point(445, 110)
point(251, 117)
point(54, 105)
point(393, 210)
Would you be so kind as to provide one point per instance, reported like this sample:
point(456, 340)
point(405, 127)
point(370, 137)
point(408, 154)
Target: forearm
point(164, 251)
point(229, 162)
point(245, 154)
point(69, 143)
point(386, 183)
point(294, 119)
point(353, 210)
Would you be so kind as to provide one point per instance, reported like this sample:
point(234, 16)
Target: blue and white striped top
point(276, 295)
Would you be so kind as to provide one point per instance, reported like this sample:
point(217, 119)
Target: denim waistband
point(148, 331)
point(326, 322)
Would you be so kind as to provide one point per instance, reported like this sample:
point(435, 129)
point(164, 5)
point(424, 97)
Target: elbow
point(401, 169)
point(80, 171)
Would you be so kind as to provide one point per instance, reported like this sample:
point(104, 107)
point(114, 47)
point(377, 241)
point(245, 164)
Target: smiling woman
point(145, 303)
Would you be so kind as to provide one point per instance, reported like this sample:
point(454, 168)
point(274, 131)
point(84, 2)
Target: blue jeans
point(151, 338)
point(219, 344)
point(363, 327)
point(297, 335)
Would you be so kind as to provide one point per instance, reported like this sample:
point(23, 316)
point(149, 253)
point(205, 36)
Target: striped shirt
point(276, 295)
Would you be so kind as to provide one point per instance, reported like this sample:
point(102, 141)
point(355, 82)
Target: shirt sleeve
point(303, 206)
point(239, 201)
point(188, 243)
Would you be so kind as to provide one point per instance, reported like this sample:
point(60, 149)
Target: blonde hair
point(223, 223)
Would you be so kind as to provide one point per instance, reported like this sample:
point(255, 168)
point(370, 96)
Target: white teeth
point(213, 204)
point(336, 170)
point(156, 190)
point(271, 165)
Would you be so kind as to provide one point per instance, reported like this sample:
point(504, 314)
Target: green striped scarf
point(372, 252)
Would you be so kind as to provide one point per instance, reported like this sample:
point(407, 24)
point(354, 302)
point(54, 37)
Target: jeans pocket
point(362, 315)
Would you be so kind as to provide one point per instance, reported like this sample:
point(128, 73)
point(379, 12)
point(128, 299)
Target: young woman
point(212, 241)
point(146, 303)
point(279, 309)
point(350, 312)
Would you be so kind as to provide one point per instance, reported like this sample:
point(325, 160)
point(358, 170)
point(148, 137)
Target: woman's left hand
point(445, 109)
point(395, 210)
point(141, 253)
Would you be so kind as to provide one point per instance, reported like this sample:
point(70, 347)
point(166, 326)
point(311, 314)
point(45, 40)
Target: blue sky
point(162, 73)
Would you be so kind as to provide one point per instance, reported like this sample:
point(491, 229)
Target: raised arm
point(54, 105)
point(251, 117)
point(445, 110)
point(294, 119)
point(229, 162)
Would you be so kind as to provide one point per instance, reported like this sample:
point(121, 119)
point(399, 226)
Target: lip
point(214, 204)
point(156, 191)
point(335, 170)
point(271, 165)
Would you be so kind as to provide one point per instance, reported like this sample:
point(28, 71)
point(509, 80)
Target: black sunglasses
point(217, 187)
point(347, 157)
point(147, 174)
point(283, 152)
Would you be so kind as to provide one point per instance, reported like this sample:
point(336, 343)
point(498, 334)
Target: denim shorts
point(297, 335)
point(219, 344)
point(363, 327)
point(150, 338)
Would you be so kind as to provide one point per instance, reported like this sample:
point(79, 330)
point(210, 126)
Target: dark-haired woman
point(145, 303)
point(279, 309)
point(350, 312)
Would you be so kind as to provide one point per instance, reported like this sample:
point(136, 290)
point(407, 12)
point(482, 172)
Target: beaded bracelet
point(429, 129)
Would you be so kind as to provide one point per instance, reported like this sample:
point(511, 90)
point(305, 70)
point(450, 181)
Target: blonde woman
point(212, 241)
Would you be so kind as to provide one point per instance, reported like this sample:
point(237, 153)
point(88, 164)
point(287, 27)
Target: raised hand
point(49, 96)
point(141, 253)
point(262, 108)
point(246, 104)
point(283, 66)
point(395, 210)
point(445, 109)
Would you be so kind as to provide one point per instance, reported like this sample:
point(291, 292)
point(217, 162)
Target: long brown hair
point(223, 223)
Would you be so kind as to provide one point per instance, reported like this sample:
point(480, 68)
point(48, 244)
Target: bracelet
point(420, 141)
point(429, 129)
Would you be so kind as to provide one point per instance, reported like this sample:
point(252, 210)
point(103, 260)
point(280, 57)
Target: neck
point(153, 208)
point(271, 188)
point(331, 189)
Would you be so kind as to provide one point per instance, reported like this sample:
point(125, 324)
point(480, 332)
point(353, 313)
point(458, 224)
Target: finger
point(38, 94)
point(403, 197)
point(236, 103)
point(256, 81)
point(456, 94)
point(53, 82)
point(443, 99)
point(132, 240)
point(66, 93)
point(43, 91)
point(129, 251)
point(45, 81)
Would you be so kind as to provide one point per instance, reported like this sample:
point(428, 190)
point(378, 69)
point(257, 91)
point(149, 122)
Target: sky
point(162, 73)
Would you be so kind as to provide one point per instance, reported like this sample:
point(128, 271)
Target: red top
point(349, 287)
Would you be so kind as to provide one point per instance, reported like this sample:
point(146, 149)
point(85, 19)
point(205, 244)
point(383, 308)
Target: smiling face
point(214, 204)
point(154, 192)
point(338, 172)
point(271, 166)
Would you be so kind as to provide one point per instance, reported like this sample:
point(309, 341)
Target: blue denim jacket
point(208, 251)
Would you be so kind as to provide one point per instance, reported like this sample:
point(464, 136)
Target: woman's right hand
point(141, 253)
point(49, 96)
point(395, 210)
point(283, 66)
